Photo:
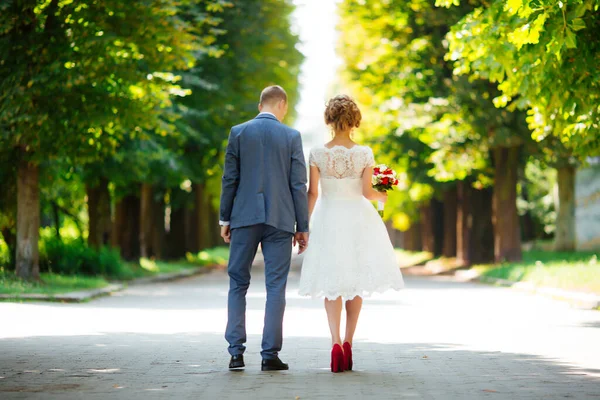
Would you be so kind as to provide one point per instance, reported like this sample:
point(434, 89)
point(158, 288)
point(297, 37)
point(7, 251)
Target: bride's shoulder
point(367, 155)
point(317, 149)
point(366, 149)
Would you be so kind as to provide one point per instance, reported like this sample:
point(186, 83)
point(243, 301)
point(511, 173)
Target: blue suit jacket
point(264, 181)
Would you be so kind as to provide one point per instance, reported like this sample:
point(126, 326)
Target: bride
point(350, 254)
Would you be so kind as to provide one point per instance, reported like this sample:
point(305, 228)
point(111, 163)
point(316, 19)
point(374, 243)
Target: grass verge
point(53, 284)
point(49, 284)
point(570, 271)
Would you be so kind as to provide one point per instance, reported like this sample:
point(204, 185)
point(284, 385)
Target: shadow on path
point(193, 366)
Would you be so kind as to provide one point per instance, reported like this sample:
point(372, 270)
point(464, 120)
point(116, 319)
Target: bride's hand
point(383, 197)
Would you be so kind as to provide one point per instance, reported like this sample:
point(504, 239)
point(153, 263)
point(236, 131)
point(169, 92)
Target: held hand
point(226, 233)
point(302, 239)
point(383, 196)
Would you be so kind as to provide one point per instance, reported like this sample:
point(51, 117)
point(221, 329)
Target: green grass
point(50, 284)
point(147, 267)
point(412, 258)
point(214, 256)
point(572, 271)
point(211, 257)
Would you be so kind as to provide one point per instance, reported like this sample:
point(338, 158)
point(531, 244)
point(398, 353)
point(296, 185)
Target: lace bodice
point(340, 162)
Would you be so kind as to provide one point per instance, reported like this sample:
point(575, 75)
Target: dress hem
point(350, 294)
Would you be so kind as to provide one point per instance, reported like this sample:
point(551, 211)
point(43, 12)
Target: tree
point(252, 54)
point(543, 55)
point(77, 78)
point(445, 124)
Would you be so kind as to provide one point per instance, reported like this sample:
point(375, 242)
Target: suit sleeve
point(231, 178)
point(298, 184)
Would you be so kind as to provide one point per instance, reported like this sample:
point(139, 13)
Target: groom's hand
point(226, 233)
point(302, 239)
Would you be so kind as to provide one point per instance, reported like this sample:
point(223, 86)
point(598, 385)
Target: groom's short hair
point(273, 94)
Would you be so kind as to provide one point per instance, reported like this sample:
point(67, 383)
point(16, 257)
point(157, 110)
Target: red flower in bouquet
point(384, 179)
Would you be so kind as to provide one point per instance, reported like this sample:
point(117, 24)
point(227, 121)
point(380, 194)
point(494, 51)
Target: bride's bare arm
point(368, 191)
point(313, 189)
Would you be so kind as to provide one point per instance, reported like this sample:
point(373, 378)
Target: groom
point(263, 200)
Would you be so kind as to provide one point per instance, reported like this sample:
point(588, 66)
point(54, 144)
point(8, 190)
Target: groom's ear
point(260, 106)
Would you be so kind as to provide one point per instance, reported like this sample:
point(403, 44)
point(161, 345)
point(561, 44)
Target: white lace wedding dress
point(349, 252)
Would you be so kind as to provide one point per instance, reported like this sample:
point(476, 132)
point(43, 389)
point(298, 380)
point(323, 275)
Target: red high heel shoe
point(337, 358)
point(347, 356)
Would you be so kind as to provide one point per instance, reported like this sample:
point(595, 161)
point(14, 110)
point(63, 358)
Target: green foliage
point(432, 126)
point(50, 284)
point(4, 254)
point(214, 256)
point(257, 50)
point(79, 76)
point(74, 257)
point(8, 210)
point(544, 56)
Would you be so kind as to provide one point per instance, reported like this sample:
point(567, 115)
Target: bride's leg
point(353, 308)
point(334, 316)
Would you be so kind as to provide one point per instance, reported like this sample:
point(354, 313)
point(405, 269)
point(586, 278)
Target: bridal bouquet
point(384, 179)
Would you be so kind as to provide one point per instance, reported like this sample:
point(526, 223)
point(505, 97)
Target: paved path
point(437, 339)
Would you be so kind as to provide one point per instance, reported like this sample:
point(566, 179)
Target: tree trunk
point(146, 220)
point(56, 217)
point(565, 217)
point(507, 233)
point(464, 223)
point(482, 229)
point(474, 228)
point(100, 223)
point(176, 238)
point(158, 227)
point(527, 223)
point(450, 200)
point(412, 237)
point(437, 226)
point(202, 216)
point(427, 234)
point(214, 228)
point(28, 221)
point(119, 223)
point(127, 225)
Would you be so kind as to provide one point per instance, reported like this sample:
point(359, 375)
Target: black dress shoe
point(237, 362)
point(274, 364)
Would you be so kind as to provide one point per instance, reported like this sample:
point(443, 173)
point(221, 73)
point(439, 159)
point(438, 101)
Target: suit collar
point(266, 115)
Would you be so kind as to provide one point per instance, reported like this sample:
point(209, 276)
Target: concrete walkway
point(438, 339)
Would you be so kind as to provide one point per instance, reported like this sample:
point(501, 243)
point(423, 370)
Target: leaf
point(447, 3)
point(512, 6)
point(570, 39)
point(577, 24)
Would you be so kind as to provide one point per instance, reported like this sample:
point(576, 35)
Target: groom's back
point(265, 149)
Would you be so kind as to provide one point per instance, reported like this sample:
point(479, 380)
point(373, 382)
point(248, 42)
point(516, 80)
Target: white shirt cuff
point(224, 223)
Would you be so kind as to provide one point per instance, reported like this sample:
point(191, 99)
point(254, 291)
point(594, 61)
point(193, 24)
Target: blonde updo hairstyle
point(342, 113)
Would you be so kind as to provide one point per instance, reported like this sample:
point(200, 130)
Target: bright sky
point(315, 21)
